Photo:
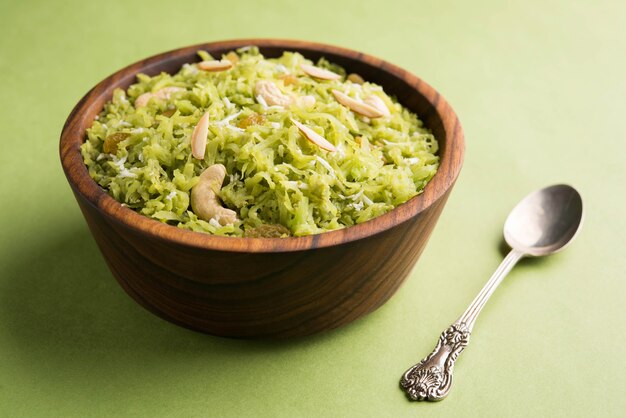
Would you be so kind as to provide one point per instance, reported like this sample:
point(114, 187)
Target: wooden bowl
point(264, 287)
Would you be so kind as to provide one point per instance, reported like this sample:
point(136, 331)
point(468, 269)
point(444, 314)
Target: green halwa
point(276, 180)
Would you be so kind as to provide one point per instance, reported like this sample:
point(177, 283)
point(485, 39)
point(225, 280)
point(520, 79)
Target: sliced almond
point(355, 78)
point(378, 103)
point(320, 73)
point(198, 137)
point(356, 106)
point(215, 65)
point(271, 94)
point(314, 137)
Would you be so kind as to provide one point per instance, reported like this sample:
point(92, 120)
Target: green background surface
point(540, 87)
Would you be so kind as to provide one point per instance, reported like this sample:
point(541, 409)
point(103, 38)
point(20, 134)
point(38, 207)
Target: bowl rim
point(73, 134)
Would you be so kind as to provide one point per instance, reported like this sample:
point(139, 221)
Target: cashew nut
point(271, 94)
point(268, 92)
point(164, 94)
point(204, 200)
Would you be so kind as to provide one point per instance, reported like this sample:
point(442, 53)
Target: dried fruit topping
point(377, 103)
point(169, 112)
point(215, 65)
point(198, 137)
point(357, 106)
point(111, 141)
point(314, 137)
point(355, 78)
point(271, 94)
point(320, 73)
point(253, 119)
point(232, 57)
point(289, 79)
point(164, 94)
point(204, 200)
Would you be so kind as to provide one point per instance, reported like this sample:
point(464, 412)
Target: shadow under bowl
point(264, 287)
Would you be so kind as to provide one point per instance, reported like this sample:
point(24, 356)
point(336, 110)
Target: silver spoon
point(543, 223)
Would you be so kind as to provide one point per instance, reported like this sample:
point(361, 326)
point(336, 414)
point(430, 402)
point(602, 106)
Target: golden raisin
point(253, 119)
point(232, 57)
point(289, 79)
point(111, 141)
point(355, 78)
point(168, 112)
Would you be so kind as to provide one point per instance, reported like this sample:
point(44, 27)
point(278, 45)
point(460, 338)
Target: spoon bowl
point(545, 221)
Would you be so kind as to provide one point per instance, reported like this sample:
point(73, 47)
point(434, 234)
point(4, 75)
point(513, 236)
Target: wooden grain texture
point(261, 287)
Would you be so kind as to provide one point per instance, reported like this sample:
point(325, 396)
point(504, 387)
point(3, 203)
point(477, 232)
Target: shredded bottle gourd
point(300, 158)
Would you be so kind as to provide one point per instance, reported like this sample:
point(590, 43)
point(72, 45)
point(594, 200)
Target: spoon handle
point(431, 379)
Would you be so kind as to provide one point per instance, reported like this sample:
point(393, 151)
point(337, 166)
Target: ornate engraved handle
point(431, 379)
